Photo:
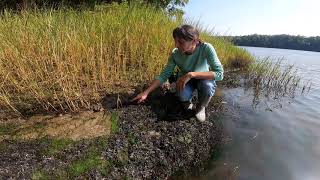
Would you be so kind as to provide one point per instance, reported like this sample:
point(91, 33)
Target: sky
point(243, 17)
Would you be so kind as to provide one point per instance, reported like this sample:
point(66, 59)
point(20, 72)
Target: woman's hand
point(140, 97)
point(182, 81)
point(143, 96)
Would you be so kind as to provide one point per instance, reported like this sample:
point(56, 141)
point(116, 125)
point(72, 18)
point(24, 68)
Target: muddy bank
point(146, 148)
point(146, 143)
point(151, 141)
point(83, 125)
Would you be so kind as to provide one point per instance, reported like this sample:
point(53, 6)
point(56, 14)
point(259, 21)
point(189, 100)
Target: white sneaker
point(191, 106)
point(188, 105)
point(201, 115)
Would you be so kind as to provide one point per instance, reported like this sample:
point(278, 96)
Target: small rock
point(154, 134)
point(97, 107)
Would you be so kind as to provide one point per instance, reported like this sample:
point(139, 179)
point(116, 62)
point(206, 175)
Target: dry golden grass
point(64, 60)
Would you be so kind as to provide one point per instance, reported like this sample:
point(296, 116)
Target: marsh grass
point(273, 79)
point(66, 60)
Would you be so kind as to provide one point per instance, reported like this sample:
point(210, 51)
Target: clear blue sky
point(242, 17)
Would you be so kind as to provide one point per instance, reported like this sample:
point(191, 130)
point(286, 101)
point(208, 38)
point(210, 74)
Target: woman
point(199, 69)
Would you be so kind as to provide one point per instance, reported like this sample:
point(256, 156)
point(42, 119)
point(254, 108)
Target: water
point(275, 140)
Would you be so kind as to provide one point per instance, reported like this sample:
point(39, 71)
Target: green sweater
point(203, 58)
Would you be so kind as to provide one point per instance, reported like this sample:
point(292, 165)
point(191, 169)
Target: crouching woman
point(199, 66)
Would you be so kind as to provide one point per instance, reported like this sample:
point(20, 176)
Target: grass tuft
point(272, 79)
point(56, 145)
point(114, 122)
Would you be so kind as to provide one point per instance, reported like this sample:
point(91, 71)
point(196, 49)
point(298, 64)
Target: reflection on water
point(272, 143)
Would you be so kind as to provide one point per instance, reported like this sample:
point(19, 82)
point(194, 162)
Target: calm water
point(282, 143)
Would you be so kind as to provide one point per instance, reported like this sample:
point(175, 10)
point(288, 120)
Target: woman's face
point(186, 47)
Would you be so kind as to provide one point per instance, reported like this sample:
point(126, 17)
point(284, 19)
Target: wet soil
point(84, 125)
point(147, 147)
point(155, 140)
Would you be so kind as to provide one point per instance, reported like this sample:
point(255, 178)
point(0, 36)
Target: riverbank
point(140, 146)
point(79, 69)
point(134, 141)
point(118, 139)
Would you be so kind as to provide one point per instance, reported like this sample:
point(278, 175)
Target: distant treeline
point(278, 41)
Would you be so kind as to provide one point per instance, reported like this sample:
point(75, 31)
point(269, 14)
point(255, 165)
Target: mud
point(146, 148)
point(84, 125)
point(155, 140)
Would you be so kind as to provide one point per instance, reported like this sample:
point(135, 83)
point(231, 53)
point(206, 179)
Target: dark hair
point(186, 32)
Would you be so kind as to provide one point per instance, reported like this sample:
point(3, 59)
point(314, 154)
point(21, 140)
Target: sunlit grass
point(65, 60)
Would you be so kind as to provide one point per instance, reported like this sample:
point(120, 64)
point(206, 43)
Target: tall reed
point(65, 60)
point(273, 79)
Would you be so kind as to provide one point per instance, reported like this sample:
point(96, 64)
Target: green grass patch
point(7, 129)
point(4, 146)
point(39, 125)
point(40, 175)
point(132, 139)
point(92, 161)
point(54, 146)
point(58, 145)
point(114, 122)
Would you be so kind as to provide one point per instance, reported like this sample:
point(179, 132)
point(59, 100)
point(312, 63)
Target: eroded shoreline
point(140, 146)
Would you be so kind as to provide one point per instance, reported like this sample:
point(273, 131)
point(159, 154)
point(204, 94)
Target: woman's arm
point(196, 75)
point(156, 83)
point(143, 96)
point(202, 75)
point(214, 62)
point(164, 75)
